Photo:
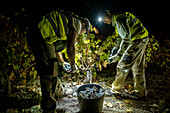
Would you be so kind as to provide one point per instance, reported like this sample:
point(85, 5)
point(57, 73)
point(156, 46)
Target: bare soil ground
point(27, 99)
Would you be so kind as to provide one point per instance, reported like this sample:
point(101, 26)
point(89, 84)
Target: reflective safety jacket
point(130, 29)
point(54, 26)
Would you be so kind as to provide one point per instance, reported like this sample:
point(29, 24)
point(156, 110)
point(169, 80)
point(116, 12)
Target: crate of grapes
point(90, 98)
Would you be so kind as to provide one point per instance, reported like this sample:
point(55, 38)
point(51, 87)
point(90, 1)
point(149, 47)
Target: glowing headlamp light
point(100, 19)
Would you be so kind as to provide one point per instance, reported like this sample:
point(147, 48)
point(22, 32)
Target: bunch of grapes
point(91, 93)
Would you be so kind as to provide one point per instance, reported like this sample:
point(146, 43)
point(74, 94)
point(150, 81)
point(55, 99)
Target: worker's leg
point(48, 103)
point(138, 70)
point(129, 58)
point(47, 67)
point(139, 77)
point(123, 69)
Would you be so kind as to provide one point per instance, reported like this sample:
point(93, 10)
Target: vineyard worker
point(55, 32)
point(130, 49)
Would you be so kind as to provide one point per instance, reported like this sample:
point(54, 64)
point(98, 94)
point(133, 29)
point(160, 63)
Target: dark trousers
point(47, 68)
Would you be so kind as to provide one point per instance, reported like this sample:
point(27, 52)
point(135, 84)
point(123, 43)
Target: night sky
point(154, 15)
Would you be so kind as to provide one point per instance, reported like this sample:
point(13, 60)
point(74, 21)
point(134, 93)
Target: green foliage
point(91, 52)
point(17, 61)
point(152, 50)
point(163, 59)
point(88, 51)
point(157, 56)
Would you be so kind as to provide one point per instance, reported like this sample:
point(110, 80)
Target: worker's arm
point(59, 57)
point(71, 45)
point(118, 40)
point(66, 66)
point(116, 47)
point(124, 33)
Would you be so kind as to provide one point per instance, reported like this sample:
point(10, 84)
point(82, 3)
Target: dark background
point(153, 14)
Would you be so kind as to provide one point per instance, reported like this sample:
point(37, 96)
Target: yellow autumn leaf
point(100, 67)
point(78, 55)
point(127, 101)
point(95, 30)
point(129, 110)
point(76, 60)
point(109, 105)
point(96, 51)
point(87, 41)
point(130, 87)
point(104, 63)
point(84, 51)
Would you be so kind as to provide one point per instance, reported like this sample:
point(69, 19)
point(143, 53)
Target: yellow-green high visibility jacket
point(53, 27)
point(130, 28)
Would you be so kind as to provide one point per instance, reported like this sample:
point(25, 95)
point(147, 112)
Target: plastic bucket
point(90, 105)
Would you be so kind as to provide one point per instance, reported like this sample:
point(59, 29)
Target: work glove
point(114, 51)
point(113, 58)
point(66, 67)
point(74, 68)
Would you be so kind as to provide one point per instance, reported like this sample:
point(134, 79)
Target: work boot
point(60, 93)
point(112, 92)
point(115, 92)
point(134, 96)
point(60, 111)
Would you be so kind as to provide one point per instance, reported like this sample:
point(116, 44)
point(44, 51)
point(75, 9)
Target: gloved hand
point(113, 58)
point(114, 51)
point(74, 68)
point(66, 66)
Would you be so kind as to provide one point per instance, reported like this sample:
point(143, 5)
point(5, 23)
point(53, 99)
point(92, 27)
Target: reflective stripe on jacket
point(53, 27)
point(130, 28)
point(137, 30)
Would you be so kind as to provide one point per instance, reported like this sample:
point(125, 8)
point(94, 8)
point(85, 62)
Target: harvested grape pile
point(91, 93)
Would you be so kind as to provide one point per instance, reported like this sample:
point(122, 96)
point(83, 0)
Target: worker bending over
point(130, 49)
point(54, 32)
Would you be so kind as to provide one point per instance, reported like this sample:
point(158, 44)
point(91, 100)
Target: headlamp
point(100, 19)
